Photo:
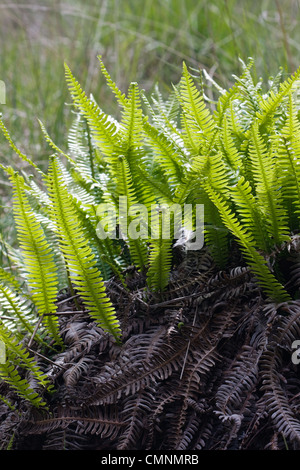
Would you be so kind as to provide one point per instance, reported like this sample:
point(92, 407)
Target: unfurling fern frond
point(78, 255)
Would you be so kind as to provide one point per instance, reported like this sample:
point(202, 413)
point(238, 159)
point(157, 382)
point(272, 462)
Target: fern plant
point(240, 160)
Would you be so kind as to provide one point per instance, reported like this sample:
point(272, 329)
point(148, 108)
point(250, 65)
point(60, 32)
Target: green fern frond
point(291, 128)
point(17, 151)
point(156, 184)
point(164, 113)
point(131, 144)
point(288, 163)
point(270, 104)
point(121, 97)
point(266, 186)
point(274, 82)
point(190, 181)
point(256, 261)
point(9, 279)
point(13, 408)
point(166, 154)
point(83, 150)
point(102, 127)
point(250, 93)
point(288, 170)
point(51, 143)
point(215, 233)
point(83, 170)
point(235, 121)
point(126, 191)
point(17, 357)
point(124, 182)
point(17, 351)
point(131, 125)
point(107, 254)
point(216, 172)
point(250, 213)
point(37, 197)
point(160, 257)
point(198, 124)
point(39, 265)
point(18, 314)
point(160, 260)
point(9, 373)
point(77, 143)
point(78, 255)
point(229, 149)
point(212, 170)
point(224, 104)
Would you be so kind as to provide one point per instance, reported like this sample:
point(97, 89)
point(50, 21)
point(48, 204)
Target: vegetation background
point(144, 41)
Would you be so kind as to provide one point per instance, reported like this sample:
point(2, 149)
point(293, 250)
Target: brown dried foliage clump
point(206, 365)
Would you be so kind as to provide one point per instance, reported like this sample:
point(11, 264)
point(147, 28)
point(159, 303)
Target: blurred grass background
point(145, 41)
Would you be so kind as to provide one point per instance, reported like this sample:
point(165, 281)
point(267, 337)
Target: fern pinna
point(239, 159)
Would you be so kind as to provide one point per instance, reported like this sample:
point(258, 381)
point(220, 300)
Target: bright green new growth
point(240, 160)
point(18, 357)
point(40, 269)
point(80, 260)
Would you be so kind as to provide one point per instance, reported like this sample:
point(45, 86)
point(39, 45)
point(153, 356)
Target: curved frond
point(15, 312)
point(18, 152)
point(39, 266)
point(267, 188)
point(78, 254)
point(160, 256)
point(258, 264)
point(288, 163)
point(198, 123)
point(102, 128)
point(269, 105)
point(16, 357)
point(165, 153)
point(121, 97)
point(127, 202)
point(230, 151)
point(131, 125)
point(251, 214)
